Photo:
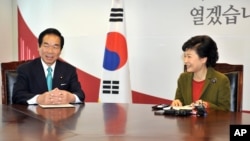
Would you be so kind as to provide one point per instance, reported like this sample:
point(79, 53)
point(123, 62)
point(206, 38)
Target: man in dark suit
point(31, 84)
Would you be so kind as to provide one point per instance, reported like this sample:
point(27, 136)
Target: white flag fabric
point(115, 83)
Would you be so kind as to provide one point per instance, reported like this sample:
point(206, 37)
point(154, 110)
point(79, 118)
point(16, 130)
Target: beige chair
point(235, 75)
point(8, 70)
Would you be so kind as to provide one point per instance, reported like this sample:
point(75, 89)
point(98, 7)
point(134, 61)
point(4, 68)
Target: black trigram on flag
point(116, 15)
point(110, 87)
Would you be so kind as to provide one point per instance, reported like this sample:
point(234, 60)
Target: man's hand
point(56, 96)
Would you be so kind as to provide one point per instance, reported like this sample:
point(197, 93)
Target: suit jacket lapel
point(207, 81)
point(58, 75)
point(39, 72)
point(189, 89)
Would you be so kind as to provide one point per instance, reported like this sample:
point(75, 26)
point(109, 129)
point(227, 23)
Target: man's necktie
point(49, 78)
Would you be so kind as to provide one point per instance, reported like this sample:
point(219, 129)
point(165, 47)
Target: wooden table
point(112, 122)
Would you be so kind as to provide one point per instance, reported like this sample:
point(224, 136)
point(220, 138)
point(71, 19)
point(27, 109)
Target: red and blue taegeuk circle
point(115, 55)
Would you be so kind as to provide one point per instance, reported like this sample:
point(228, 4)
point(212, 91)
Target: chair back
point(9, 74)
point(235, 75)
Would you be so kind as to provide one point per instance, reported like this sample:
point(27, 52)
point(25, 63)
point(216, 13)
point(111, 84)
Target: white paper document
point(57, 106)
point(186, 107)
